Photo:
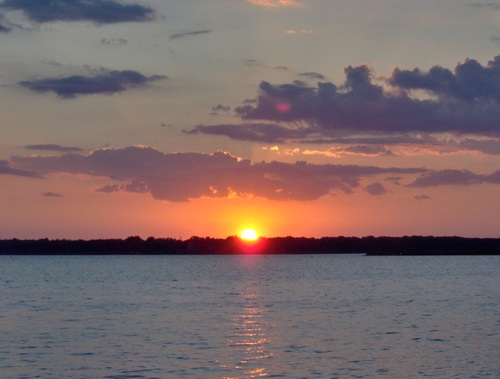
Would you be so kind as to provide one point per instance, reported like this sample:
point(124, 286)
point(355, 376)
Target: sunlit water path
point(249, 316)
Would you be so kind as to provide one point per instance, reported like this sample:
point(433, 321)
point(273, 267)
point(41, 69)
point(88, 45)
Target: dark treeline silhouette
point(408, 245)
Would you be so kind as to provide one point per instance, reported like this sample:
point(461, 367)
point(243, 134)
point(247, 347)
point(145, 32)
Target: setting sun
point(249, 234)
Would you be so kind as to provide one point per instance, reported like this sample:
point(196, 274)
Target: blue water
point(317, 316)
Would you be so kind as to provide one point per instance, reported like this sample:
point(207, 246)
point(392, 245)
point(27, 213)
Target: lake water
point(321, 316)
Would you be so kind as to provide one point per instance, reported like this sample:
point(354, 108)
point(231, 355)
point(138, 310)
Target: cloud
point(188, 34)
point(114, 41)
point(52, 147)
point(4, 29)
point(106, 82)
point(97, 11)
point(469, 82)
point(51, 194)
point(454, 177)
point(312, 75)
point(375, 189)
point(257, 132)
point(422, 197)
point(184, 176)
point(5, 169)
point(110, 188)
point(487, 146)
point(216, 109)
point(465, 101)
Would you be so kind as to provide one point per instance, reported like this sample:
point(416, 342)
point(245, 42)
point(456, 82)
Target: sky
point(180, 118)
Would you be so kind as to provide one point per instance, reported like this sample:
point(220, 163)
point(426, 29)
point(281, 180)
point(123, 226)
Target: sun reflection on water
point(250, 338)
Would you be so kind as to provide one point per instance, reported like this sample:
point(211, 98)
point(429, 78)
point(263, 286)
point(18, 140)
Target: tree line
point(370, 245)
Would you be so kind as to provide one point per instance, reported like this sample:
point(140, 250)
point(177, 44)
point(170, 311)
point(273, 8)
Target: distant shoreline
point(372, 246)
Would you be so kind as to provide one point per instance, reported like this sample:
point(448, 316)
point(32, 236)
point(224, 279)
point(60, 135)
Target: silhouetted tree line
point(408, 245)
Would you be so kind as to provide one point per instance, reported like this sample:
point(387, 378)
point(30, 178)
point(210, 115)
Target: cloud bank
point(183, 176)
point(97, 11)
point(464, 101)
point(106, 82)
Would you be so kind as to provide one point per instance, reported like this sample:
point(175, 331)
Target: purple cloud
point(465, 101)
point(454, 177)
point(375, 189)
point(469, 82)
point(97, 11)
point(52, 147)
point(184, 176)
point(6, 169)
point(107, 82)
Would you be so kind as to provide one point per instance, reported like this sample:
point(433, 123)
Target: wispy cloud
point(51, 194)
point(422, 197)
point(312, 75)
point(275, 3)
point(106, 82)
point(184, 176)
point(114, 41)
point(52, 147)
point(454, 177)
point(188, 34)
point(97, 11)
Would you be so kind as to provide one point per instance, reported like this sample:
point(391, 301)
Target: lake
point(249, 316)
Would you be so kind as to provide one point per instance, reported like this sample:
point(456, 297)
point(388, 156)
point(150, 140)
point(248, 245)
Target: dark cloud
point(280, 68)
point(51, 194)
point(6, 169)
point(97, 11)
point(188, 34)
point(464, 101)
point(312, 75)
point(180, 177)
point(469, 82)
point(107, 82)
point(52, 147)
point(454, 177)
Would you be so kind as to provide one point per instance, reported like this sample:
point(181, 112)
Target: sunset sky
point(180, 118)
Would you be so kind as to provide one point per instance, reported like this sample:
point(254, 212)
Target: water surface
point(320, 316)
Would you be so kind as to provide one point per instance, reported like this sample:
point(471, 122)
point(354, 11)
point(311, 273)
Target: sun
point(249, 234)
